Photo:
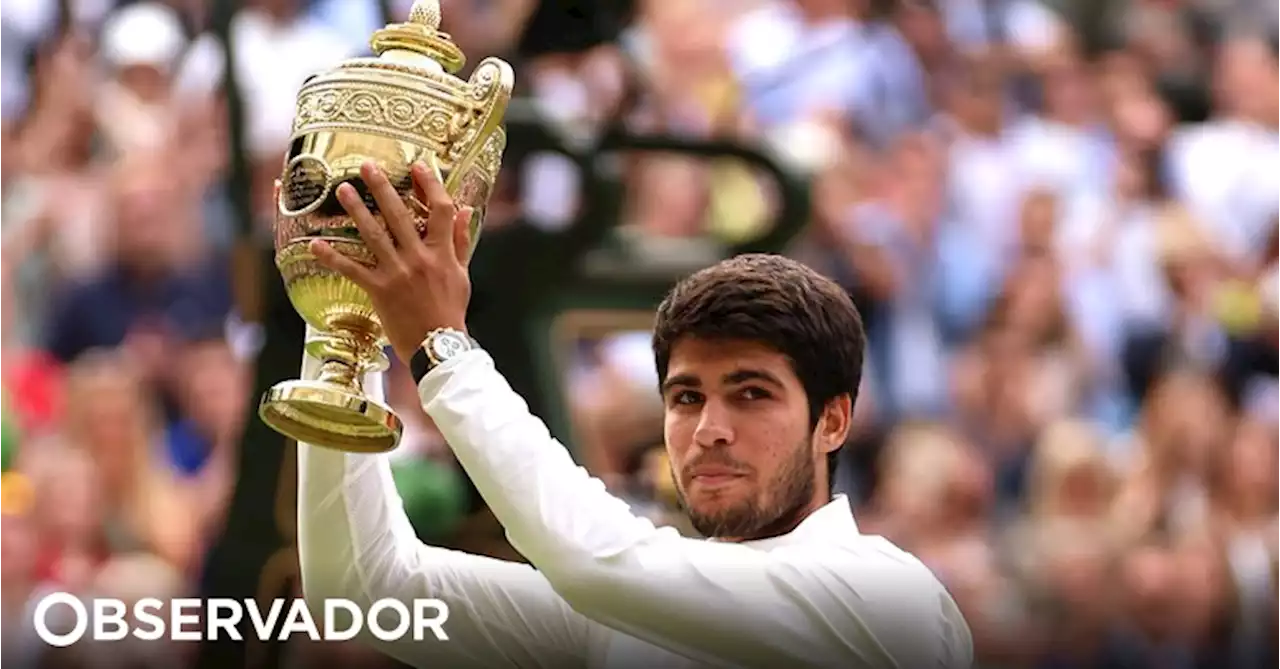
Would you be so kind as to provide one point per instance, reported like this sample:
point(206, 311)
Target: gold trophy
point(403, 106)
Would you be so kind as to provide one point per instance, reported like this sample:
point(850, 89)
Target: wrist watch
point(440, 345)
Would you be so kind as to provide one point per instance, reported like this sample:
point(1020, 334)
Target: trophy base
point(331, 416)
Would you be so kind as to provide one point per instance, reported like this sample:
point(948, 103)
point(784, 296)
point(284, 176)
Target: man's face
point(145, 199)
point(1245, 68)
point(211, 384)
point(743, 455)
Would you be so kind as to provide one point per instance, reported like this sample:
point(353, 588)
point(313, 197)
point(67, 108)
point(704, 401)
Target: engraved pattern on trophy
point(490, 86)
point(404, 106)
point(477, 183)
point(396, 111)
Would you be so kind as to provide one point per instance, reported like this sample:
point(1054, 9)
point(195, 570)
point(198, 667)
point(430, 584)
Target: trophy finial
point(425, 13)
point(420, 36)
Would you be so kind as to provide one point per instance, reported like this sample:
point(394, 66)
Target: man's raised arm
point(720, 603)
point(355, 542)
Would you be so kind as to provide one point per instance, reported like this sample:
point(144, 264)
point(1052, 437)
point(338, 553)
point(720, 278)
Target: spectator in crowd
point(21, 555)
point(157, 286)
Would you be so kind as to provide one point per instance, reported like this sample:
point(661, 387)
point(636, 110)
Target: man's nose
point(714, 428)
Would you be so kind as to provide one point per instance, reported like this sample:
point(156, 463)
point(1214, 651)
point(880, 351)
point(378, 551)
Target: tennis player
point(759, 360)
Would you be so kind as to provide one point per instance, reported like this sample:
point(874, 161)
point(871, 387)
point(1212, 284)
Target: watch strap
point(420, 364)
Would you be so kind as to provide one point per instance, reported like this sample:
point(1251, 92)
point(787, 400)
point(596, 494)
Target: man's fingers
point(372, 232)
point(398, 218)
point(462, 235)
point(420, 194)
point(329, 257)
point(440, 223)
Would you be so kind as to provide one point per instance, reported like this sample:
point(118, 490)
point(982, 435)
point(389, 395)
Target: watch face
point(445, 345)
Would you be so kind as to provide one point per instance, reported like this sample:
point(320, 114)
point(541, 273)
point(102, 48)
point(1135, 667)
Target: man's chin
point(717, 497)
point(721, 517)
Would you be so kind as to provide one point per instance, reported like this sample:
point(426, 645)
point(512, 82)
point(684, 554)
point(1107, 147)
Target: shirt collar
point(833, 519)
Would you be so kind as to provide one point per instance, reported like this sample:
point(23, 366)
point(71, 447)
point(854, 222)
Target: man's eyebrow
point(681, 380)
point(744, 375)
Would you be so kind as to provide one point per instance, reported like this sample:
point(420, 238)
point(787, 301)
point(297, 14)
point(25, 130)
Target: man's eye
point(686, 397)
point(752, 393)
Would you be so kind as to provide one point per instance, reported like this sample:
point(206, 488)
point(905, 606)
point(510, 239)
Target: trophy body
point(399, 108)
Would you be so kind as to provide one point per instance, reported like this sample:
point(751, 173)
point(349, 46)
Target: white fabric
point(790, 69)
point(147, 33)
point(983, 175)
point(608, 589)
point(1026, 24)
point(273, 61)
point(1229, 173)
point(1032, 26)
point(632, 354)
point(1067, 160)
point(1140, 286)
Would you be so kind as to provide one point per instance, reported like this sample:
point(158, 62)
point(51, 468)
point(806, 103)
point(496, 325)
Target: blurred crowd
point(1058, 219)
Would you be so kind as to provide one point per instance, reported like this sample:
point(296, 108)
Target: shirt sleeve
point(839, 604)
point(355, 542)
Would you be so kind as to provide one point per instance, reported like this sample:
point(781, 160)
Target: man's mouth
point(715, 479)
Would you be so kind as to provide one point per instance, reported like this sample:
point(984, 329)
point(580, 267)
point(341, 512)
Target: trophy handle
point(490, 86)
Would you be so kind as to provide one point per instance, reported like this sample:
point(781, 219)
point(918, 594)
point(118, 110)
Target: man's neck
point(785, 524)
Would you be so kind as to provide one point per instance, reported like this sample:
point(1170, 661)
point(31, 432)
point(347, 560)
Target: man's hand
point(419, 283)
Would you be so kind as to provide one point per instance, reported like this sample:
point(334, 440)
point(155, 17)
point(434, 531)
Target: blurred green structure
point(521, 275)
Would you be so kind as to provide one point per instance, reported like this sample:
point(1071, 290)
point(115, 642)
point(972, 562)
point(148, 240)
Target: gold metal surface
point(402, 106)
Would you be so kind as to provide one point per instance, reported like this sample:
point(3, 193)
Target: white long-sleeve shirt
point(607, 589)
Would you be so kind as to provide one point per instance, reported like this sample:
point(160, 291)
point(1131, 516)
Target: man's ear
point(835, 422)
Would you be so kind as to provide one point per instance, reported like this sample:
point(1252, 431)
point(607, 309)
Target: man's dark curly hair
point(780, 303)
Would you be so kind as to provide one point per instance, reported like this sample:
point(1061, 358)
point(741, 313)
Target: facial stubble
point(774, 508)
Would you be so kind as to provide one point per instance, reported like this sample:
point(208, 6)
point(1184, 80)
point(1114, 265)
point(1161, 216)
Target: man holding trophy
point(759, 357)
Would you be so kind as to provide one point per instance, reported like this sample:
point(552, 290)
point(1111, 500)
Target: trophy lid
point(410, 93)
point(419, 41)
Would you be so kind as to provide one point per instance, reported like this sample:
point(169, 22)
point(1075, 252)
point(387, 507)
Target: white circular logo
point(402, 619)
point(42, 625)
